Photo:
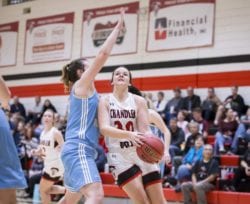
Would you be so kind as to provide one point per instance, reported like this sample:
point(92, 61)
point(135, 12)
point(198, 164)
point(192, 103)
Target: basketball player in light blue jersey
point(11, 174)
point(81, 176)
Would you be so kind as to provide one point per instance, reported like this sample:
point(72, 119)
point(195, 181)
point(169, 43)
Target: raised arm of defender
point(87, 78)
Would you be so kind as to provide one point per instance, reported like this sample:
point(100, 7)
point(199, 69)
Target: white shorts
point(53, 169)
point(126, 165)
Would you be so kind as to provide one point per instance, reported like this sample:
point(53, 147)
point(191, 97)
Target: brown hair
point(69, 73)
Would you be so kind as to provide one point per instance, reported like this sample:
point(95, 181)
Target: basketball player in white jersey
point(119, 114)
point(158, 127)
point(51, 141)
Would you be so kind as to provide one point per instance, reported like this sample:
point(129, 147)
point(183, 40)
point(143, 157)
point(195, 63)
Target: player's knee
point(95, 192)
point(142, 199)
point(44, 189)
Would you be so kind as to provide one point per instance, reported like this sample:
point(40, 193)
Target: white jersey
point(122, 116)
point(52, 161)
point(122, 153)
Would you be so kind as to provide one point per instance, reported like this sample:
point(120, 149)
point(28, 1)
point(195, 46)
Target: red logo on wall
point(160, 29)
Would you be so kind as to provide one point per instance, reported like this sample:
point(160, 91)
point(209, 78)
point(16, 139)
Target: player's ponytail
point(69, 73)
point(65, 78)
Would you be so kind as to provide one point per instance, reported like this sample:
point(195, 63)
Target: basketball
point(152, 149)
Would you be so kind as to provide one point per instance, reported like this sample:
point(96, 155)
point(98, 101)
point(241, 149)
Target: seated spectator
point(191, 101)
point(243, 131)
point(235, 102)
point(241, 180)
point(177, 138)
point(183, 123)
point(35, 113)
point(28, 142)
point(194, 154)
point(203, 124)
point(100, 158)
point(18, 133)
point(225, 135)
point(160, 104)
point(17, 107)
point(48, 105)
point(210, 105)
point(173, 106)
point(194, 133)
point(204, 173)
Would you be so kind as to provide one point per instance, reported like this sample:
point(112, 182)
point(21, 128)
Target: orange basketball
point(151, 150)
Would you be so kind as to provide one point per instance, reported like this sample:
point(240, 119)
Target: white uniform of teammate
point(122, 156)
point(53, 166)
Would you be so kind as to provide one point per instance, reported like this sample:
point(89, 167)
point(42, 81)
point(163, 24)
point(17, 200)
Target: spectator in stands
point(204, 173)
point(210, 105)
point(48, 105)
point(35, 174)
point(177, 138)
point(173, 105)
point(100, 158)
point(203, 124)
point(194, 130)
point(148, 98)
point(17, 107)
point(183, 123)
point(28, 143)
point(35, 113)
point(234, 101)
point(242, 133)
point(242, 175)
point(18, 134)
point(226, 133)
point(160, 104)
point(191, 101)
point(194, 154)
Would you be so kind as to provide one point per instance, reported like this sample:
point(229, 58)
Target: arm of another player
point(107, 130)
point(142, 115)
point(88, 76)
point(59, 139)
point(4, 94)
point(156, 119)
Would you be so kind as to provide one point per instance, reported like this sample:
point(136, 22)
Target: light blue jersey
point(82, 120)
point(81, 138)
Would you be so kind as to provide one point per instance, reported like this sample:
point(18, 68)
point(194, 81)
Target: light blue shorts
point(79, 166)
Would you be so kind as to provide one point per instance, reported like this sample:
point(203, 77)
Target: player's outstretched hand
point(121, 20)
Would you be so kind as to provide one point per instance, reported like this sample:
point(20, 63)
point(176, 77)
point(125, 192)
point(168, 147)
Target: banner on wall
point(99, 23)
point(8, 44)
point(177, 24)
point(49, 38)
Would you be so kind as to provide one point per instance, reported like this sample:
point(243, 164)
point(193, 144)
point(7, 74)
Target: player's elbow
point(103, 129)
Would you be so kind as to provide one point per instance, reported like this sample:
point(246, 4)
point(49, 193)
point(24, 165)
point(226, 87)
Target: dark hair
point(173, 119)
point(130, 75)
point(69, 72)
point(161, 93)
point(197, 110)
point(134, 90)
point(199, 136)
point(177, 89)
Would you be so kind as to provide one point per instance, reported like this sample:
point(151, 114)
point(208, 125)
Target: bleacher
point(215, 197)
